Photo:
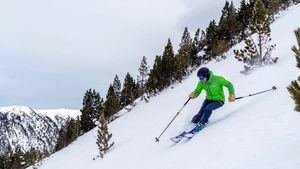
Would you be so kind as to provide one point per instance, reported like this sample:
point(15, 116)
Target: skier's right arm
point(197, 91)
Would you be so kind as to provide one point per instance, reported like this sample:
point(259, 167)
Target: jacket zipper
point(209, 91)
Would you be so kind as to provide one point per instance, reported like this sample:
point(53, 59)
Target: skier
point(213, 86)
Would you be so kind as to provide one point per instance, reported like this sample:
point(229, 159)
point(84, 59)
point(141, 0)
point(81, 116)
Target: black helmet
point(203, 72)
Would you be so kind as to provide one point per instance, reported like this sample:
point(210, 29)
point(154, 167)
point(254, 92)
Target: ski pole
point(157, 138)
point(273, 88)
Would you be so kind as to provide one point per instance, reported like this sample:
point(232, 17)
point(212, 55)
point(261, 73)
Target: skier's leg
point(198, 116)
point(208, 110)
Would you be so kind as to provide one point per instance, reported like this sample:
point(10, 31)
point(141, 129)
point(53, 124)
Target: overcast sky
point(52, 51)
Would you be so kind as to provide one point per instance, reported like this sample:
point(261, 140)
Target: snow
point(256, 132)
point(63, 112)
point(18, 110)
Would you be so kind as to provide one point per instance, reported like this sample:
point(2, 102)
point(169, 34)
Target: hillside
point(28, 128)
point(257, 132)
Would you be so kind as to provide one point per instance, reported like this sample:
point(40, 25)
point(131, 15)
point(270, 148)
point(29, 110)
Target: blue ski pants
point(206, 109)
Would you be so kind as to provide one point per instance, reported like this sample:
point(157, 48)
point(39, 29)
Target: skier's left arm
point(230, 88)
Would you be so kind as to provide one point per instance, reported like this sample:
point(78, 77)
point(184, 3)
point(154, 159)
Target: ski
point(178, 138)
point(190, 134)
point(194, 131)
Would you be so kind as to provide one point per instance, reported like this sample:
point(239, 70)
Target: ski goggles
point(201, 77)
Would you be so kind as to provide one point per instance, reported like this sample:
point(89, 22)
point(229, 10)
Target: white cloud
point(52, 51)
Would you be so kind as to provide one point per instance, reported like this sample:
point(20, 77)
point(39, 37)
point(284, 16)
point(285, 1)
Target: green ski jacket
point(214, 88)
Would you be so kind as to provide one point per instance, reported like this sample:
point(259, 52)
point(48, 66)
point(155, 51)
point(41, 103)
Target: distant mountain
point(22, 126)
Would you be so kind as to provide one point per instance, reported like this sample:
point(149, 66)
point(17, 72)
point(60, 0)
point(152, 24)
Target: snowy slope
point(28, 128)
point(257, 132)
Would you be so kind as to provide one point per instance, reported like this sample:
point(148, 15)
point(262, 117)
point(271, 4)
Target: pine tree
point(91, 109)
point(78, 126)
point(127, 93)
point(251, 6)
point(229, 25)
point(117, 87)
point(257, 52)
point(198, 43)
point(153, 80)
point(16, 159)
point(220, 47)
point(186, 38)
point(136, 90)
point(8, 154)
point(87, 112)
point(28, 159)
point(167, 65)
point(157, 71)
point(71, 131)
point(273, 9)
point(97, 102)
point(111, 104)
point(211, 40)
point(142, 78)
point(3, 160)
point(184, 57)
point(182, 62)
point(151, 83)
point(186, 43)
point(103, 137)
point(67, 134)
point(61, 141)
point(294, 87)
point(35, 156)
point(244, 16)
point(196, 47)
point(223, 20)
point(5, 157)
point(180, 67)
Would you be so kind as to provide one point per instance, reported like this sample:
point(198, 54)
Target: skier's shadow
point(239, 109)
point(235, 111)
point(224, 117)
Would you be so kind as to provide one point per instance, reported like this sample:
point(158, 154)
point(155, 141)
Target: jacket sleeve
point(227, 84)
point(198, 89)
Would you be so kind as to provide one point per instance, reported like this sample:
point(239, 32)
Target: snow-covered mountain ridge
point(28, 128)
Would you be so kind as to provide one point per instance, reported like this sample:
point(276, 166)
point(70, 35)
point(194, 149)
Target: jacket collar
point(210, 77)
